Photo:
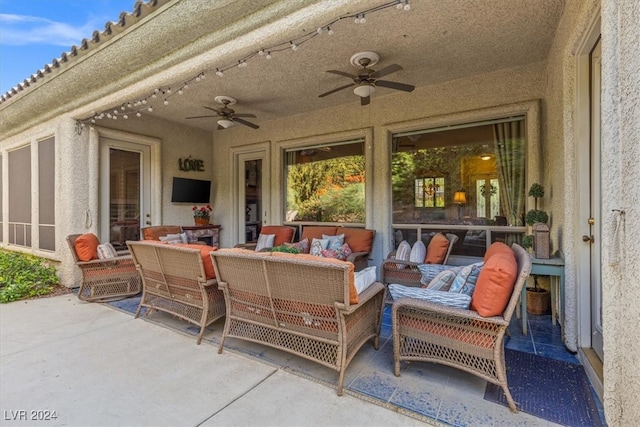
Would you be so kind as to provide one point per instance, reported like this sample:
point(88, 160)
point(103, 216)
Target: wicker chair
point(426, 331)
point(106, 279)
point(174, 281)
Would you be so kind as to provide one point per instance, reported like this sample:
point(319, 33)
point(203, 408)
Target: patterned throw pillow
point(317, 246)
point(443, 281)
point(440, 297)
point(302, 245)
point(403, 253)
point(265, 241)
point(335, 242)
point(106, 251)
point(430, 271)
point(466, 278)
point(342, 253)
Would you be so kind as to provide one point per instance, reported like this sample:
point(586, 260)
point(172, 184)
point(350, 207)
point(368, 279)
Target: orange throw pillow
point(497, 247)
point(358, 239)
point(437, 249)
point(282, 234)
point(86, 247)
point(209, 272)
point(495, 285)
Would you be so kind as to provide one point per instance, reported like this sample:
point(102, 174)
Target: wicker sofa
point(300, 304)
point(180, 280)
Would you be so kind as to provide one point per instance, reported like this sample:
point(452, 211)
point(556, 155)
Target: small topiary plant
point(527, 241)
point(534, 215)
point(24, 276)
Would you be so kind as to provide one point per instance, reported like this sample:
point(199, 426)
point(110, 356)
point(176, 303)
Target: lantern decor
point(202, 214)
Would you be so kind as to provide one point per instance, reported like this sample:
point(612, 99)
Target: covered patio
point(95, 141)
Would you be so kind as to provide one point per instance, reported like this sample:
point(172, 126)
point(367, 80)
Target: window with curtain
point(325, 183)
point(485, 161)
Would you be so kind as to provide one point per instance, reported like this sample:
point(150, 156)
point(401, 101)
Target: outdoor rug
point(554, 390)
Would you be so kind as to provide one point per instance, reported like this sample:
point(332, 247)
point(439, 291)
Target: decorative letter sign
point(190, 164)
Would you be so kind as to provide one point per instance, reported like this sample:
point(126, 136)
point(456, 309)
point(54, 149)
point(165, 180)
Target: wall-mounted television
point(186, 190)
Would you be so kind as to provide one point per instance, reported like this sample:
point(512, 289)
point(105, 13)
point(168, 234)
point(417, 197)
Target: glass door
point(253, 203)
point(125, 191)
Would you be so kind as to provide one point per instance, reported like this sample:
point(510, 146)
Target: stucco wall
point(621, 175)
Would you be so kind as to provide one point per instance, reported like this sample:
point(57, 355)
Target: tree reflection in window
point(429, 192)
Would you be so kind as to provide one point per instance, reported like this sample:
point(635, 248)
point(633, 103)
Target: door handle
point(148, 222)
point(586, 238)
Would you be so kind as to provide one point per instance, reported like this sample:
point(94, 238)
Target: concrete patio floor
point(92, 365)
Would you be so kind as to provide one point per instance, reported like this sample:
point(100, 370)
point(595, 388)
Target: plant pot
point(202, 220)
point(538, 300)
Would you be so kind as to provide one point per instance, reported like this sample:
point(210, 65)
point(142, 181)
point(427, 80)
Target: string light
point(133, 107)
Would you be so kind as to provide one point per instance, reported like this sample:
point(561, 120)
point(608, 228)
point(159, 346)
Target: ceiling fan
point(228, 117)
point(367, 79)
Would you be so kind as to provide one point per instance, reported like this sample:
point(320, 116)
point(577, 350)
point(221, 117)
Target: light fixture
point(460, 198)
point(225, 123)
point(364, 90)
point(485, 157)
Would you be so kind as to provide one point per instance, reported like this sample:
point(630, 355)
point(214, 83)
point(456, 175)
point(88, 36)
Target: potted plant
point(538, 299)
point(201, 215)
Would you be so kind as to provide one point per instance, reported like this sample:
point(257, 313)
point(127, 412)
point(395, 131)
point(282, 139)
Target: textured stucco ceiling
point(435, 41)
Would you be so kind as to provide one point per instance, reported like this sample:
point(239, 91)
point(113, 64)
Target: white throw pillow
point(443, 281)
point(265, 241)
point(403, 253)
point(106, 250)
point(365, 278)
point(171, 239)
point(418, 252)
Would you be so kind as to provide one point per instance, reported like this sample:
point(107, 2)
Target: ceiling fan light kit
point(225, 123)
point(364, 90)
point(228, 117)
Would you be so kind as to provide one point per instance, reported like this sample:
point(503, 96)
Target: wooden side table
point(553, 267)
point(210, 234)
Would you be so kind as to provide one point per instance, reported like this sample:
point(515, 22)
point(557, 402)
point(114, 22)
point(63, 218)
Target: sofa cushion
point(205, 251)
point(418, 252)
point(440, 297)
point(317, 231)
point(335, 242)
point(317, 246)
point(437, 250)
point(172, 239)
point(365, 278)
point(154, 232)
point(342, 252)
point(430, 271)
point(353, 293)
point(443, 281)
point(106, 251)
point(466, 279)
point(359, 239)
point(283, 234)
point(495, 285)
point(86, 247)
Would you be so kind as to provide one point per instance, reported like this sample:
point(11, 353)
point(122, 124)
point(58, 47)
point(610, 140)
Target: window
point(47, 194)
point(429, 192)
point(20, 196)
point(325, 183)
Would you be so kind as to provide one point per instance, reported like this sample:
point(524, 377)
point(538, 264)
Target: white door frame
point(150, 171)
point(240, 155)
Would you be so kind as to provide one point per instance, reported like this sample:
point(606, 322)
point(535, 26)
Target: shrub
point(24, 276)
point(287, 249)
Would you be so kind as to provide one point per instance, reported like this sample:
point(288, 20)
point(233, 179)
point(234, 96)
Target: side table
point(553, 267)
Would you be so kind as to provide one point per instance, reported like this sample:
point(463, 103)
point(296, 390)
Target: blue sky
point(34, 32)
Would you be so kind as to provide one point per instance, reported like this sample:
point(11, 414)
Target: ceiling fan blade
point(244, 115)
point(395, 85)
point(198, 117)
point(212, 109)
point(246, 123)
point(342, 73)
point(335, 90)
point(386, 71)
point(365, 100)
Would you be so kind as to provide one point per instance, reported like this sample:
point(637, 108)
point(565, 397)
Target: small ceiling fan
point(228, 117)
point(367, 79)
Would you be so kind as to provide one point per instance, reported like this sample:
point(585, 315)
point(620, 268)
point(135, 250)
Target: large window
point(469, 176)
point(325, 183)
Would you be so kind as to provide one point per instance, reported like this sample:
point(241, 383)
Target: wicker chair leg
point(340, 382)
point(507, 394)
point(139, 308)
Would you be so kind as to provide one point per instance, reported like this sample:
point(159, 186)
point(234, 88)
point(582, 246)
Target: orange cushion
point(209, 272)
point(155, 232)
point(283, 234)
point(353, 292)
point(312, 231)
point(498, 247)
point(86, 247)
point(437, 249)
point(495, 285)
point(358, 239)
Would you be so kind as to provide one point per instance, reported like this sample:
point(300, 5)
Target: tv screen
point(187, 190)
